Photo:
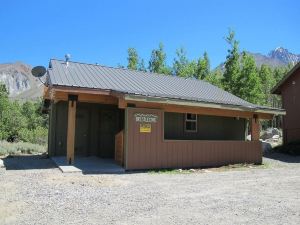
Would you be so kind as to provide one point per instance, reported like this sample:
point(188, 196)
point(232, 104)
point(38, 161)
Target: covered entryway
point(81, 130)
point(88, 165)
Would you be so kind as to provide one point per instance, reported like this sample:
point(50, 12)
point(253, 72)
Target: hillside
point(276, 58)
point(19, 81)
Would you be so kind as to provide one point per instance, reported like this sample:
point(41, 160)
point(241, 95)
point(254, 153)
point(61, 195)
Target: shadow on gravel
point(282, 157)
point(27, 162)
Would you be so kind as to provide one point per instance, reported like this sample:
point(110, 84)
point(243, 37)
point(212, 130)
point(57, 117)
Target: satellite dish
point(38, 71)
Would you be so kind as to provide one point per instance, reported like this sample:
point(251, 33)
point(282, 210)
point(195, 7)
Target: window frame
point(190, 121)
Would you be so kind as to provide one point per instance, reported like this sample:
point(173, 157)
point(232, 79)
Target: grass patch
point(19, 148)
point(170, 171)
point(240, 166)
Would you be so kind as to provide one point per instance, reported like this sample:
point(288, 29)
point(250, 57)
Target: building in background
point(145, 120)
point(289, 89)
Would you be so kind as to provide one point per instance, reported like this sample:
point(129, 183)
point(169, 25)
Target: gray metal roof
point(140, 83)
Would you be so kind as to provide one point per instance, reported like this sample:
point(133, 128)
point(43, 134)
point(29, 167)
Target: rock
point(275, 137)
point(1, 164)
point(276, 131)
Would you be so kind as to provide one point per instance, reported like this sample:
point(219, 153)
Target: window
point(190, 122)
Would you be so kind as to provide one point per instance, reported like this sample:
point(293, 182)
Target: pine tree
point(268, 82)
point(182, 67)
point(215, 78)
point(232, 65)
point(132, 59)
point(249, 83)
point(157, 63)
point(141, 66)
point(203, 67)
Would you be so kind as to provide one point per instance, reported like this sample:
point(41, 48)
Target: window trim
point(190, 120)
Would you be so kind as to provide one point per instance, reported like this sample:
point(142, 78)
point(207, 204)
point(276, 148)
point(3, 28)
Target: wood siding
point(150, 150)
point(290, 92)
point(119, 148)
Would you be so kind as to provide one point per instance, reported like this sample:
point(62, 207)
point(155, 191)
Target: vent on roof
point(67, 57)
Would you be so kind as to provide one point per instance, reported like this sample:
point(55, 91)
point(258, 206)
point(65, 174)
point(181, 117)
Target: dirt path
point(33, 191)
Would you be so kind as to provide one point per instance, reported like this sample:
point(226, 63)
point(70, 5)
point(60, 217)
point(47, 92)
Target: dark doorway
point(82, 132)
point(108, 127)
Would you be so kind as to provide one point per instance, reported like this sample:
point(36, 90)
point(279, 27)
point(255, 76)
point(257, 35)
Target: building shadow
point(282, 157)
point(28, 162)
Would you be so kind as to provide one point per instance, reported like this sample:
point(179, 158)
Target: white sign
point(145, 118)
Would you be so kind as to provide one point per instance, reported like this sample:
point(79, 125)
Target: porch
point(88, 165)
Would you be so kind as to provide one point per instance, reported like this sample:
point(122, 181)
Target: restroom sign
point(145, 118)
point(145, 128)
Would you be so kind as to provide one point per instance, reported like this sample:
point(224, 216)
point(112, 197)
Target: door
point(107, 131)
point(81, 132)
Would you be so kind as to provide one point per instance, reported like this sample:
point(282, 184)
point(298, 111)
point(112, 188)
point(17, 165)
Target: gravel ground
point(33, 191)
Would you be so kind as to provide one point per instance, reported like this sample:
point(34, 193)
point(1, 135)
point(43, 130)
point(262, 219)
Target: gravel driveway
point(33, 191)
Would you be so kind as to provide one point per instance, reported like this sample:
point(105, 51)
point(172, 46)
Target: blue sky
point(101, 31)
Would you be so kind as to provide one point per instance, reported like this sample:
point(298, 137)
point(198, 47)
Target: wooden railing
point(119, 148)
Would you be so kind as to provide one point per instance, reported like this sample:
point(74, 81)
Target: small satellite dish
point(38, 71)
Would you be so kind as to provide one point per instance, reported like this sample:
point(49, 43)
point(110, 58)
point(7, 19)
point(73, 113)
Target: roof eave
point(201, 104)
point(276, 89)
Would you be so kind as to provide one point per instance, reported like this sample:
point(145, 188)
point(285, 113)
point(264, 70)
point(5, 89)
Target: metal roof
point(75, 74)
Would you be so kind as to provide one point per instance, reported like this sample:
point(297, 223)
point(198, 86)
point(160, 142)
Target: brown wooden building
point(289, 89)
point(145, 120)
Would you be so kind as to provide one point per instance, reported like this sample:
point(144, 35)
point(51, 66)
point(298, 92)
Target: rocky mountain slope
point(19, 81)
point(277, 57)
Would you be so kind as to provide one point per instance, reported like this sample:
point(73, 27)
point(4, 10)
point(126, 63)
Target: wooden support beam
point(255, 130)
point(71, 129)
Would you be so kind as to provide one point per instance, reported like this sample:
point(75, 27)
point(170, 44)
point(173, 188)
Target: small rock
point(1, 164)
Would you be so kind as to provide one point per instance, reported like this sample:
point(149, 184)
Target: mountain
point(19, 81)
point(276, 58)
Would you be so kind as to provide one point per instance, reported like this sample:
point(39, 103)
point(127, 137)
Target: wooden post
point(255, 131)
point(71, 128)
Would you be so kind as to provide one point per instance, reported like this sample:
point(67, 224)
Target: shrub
point(38, 135)
point(8, 148)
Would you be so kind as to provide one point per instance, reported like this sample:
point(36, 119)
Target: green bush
point(38, 135)
point(8, 148)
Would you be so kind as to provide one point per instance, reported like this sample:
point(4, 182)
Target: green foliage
point(132, 59)
point(215, 78)
point(22, 121)
point(268, 82)
point(203, 67)
point(182, 67)
point(157, 63)
point(141, 66)
point(9, 148)
point(232, 65)
point(249, 83)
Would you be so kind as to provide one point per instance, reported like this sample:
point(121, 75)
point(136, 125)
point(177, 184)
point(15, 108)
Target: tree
point(132, 59)
point(268, 82)
point(141, 66)
point(203, 67)
point(232, 65)
point(215, 78)
point(249, 83)
point(182, 67)
point(157, 63)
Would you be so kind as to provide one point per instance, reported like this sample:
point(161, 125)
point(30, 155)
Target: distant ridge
point(19, 81)
point(276, 58)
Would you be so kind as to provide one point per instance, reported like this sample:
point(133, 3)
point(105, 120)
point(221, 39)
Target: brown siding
point(291, 103)
point(150, 150)
point(119, 148)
